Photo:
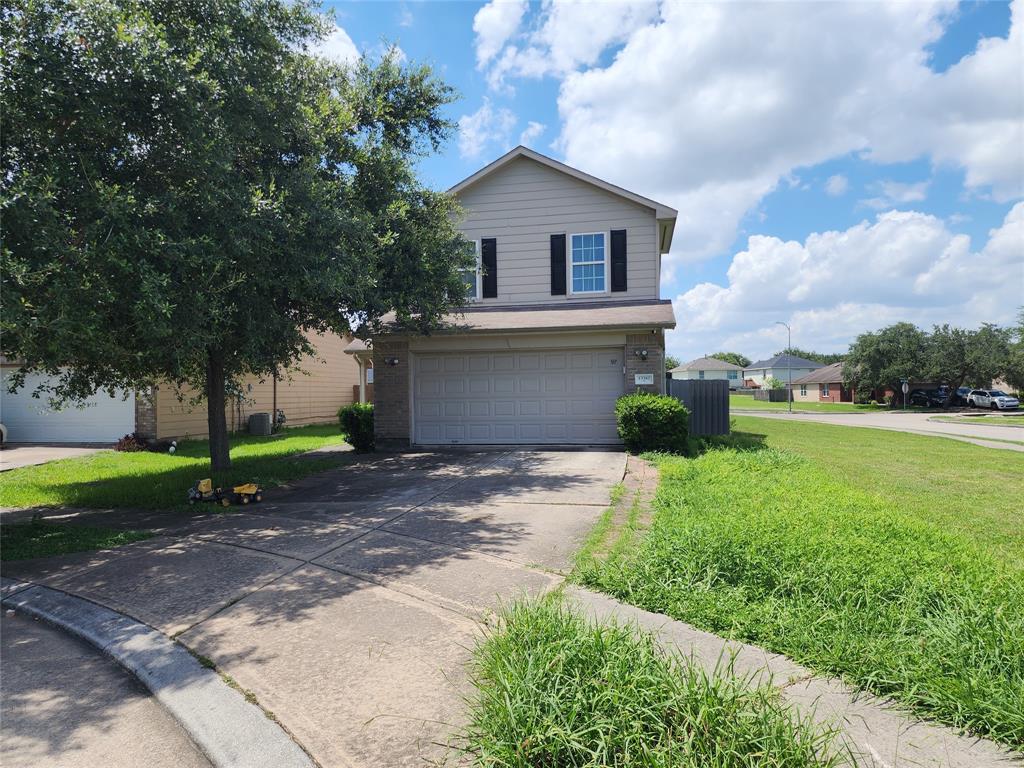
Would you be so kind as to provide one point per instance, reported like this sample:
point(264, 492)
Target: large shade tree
point(188, 192)
point(884, 359)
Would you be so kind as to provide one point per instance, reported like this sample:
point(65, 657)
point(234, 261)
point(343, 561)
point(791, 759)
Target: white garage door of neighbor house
point(104, 419)
point(481, 398)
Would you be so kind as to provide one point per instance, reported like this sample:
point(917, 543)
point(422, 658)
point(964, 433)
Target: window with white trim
point(589, 262)
point(471, 277)
point(733, 375)
point(700, 374)
point(803, 390)
point(824, 390)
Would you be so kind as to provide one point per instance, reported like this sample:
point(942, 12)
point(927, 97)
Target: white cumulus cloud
point(485, 127)
point(837, 185)
point(709, 107)
point(494, 24)
point(904, 265)
point(337, 47)
point(531, 133)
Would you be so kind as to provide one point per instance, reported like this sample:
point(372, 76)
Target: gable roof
point(830, 374)
point(707, 364)
point(666, 215)
point(784, 361)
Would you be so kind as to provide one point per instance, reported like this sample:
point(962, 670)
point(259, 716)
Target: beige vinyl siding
point(522, 204)
point(305, 399)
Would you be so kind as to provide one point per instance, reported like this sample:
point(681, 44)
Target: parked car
point(960, 396)
point(929, 398)
point(995, 399)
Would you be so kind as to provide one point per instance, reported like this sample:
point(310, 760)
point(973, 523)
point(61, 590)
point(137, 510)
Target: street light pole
point(789, 365)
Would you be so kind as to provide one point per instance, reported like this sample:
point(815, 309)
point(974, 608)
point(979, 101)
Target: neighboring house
point(709, 368)
point(305, 399)
point(563, 315)
point(780, 367)
point(824, 385)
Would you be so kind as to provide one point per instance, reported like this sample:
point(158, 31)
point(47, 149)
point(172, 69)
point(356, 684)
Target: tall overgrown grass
point(552, 689)
point(765, 546)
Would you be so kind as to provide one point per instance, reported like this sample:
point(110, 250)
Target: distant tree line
point(825, 358)
point(956, 357)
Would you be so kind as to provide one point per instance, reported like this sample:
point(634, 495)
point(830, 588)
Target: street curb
point(230, 731)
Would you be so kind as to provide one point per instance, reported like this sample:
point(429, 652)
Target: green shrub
point(649, 422)
point(357, 424)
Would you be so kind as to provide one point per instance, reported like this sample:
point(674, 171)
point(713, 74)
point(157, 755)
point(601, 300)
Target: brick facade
point(145, 414)
point(654, 343)
point(391, 394)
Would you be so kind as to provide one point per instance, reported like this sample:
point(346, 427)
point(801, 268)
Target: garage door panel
point(429, 387)
point(529, 408)
point(430, 409)
point(558, 396)
point(529, 385)
point(504, 408)
point(101, 419)
point(556, 408)
point(478, 409)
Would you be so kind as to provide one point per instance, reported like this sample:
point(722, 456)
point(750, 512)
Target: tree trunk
point(216, 420)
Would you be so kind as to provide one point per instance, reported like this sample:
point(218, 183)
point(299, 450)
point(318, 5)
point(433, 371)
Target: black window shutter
point(558, 265)
point(618, 259)
point(489, 260)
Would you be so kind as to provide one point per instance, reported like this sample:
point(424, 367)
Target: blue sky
point(839, 166)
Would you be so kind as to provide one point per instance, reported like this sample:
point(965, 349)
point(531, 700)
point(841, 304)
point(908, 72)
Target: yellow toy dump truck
point(203, 490)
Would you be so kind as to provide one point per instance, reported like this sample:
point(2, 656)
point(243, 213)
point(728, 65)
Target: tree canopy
point(825, 358)
point(732, 357)
point(947, 355)
point(671, 362)
point(187, 192)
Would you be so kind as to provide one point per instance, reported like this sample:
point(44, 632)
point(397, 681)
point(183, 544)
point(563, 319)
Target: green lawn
point(988, 421)
point(41, 539)
point(161, 480)
point(748, 402)
point(552, 689)
point(895, 561)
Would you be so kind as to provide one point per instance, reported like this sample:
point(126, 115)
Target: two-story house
point(563, 315)
point(784, 367)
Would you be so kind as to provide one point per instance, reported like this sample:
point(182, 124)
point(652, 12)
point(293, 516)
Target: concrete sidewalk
point(985, 435)
point(349, 605)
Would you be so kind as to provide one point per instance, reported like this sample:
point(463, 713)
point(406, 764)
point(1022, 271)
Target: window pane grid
point(588, 259)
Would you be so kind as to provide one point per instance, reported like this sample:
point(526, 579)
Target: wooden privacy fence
point(708, 403)
point(771, 395)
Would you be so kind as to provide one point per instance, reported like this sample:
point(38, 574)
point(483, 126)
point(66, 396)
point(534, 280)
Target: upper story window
point(589, 263)
point(471, 276)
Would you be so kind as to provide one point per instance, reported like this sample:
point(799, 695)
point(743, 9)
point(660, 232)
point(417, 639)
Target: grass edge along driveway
point(552, 688)
point(148, 480)
point(783, 550)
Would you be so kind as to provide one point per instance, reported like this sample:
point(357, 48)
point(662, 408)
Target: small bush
point(130, 444)
point(649, 422)
point(357, 424)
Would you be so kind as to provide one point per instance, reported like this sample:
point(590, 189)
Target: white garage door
point(560, 396)
point(104, 419)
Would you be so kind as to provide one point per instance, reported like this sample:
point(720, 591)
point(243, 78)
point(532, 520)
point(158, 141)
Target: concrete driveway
point(14, 455)
point(349, 605)
point(987, 435)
